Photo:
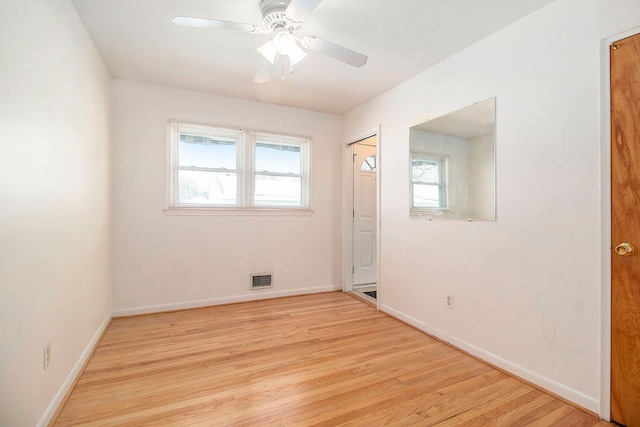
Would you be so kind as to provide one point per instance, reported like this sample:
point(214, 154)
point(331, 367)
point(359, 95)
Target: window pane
point(278, 191)
point(426, 196)
point(207, 188)
point(277, 158)
point(207, 151)
point(425, 171)
point(369, 164)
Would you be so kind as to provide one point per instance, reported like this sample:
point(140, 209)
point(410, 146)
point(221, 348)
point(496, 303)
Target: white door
point(364, 211)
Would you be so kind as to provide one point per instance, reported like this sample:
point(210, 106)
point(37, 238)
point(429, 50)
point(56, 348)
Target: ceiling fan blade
point(264, 72)
point(298, 10)
point(335, 51)
point(186, 21)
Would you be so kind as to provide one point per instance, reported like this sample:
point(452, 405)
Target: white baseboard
point(73, 374)
point(575, 396)
point(253, 296)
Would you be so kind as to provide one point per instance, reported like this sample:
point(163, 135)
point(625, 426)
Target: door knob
point(625, 249)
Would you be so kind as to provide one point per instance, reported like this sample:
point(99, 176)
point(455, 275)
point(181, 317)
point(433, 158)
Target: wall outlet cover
point(448, 301)
point(47, 354)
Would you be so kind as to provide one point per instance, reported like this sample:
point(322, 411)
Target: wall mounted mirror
point(452, 165)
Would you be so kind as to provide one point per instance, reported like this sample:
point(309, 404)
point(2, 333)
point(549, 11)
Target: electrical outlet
point(47, 354)
point(448, 301)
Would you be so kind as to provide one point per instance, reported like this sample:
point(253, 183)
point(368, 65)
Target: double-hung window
point(278, 172)
point(428, 181)
point(221, 169)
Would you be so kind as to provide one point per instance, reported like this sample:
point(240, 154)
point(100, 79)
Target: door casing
point(347, 191)
point(364, 212)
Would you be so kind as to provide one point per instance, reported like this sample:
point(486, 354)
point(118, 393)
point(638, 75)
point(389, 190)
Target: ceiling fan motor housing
point(274, 17)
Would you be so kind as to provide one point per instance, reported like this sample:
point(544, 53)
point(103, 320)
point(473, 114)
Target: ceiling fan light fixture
point(284, 41)
point(296, 54)
point(268, 50)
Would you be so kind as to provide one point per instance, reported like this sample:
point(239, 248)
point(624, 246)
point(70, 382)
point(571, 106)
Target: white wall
point(162, 261)
point(527, 287)
point(54, 204)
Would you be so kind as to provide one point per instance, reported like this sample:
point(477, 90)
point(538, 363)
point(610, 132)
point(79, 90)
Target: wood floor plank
point(323, 359)
point(522, 411)
point(487, 413)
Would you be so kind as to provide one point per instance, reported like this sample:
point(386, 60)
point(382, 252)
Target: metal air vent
point(261, 281)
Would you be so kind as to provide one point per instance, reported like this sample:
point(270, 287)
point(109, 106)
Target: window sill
point(238, 211)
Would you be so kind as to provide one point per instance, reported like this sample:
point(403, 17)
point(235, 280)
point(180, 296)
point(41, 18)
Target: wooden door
point(364, 212)
point(625, 229)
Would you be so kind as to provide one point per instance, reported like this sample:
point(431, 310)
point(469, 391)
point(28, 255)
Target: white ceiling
point(138, 41)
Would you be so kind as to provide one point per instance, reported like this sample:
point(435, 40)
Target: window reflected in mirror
point(428, 181)
point(452, 165)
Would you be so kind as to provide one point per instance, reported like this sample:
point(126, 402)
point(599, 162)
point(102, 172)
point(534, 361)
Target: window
point(428, 181)
point(369, 164)
point(215, 168)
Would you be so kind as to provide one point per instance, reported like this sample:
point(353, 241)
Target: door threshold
point(364, 297)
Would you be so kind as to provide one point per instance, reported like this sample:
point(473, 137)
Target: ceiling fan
point(284, 18)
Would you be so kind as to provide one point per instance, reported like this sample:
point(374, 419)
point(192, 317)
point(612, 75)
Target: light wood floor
point(324, 359)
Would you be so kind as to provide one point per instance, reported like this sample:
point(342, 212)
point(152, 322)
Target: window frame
point(441, 184)
point(246, 140)
point(286, 140)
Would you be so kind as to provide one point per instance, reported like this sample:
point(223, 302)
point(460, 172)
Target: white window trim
point(303, 143)
point(442, 184)
point(245, 171)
